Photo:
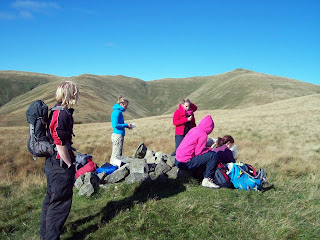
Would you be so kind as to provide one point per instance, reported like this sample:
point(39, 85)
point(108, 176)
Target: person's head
point(227, 140)
point(123, 102)
point(186, 103)
point(206, 124)
point(67, 94)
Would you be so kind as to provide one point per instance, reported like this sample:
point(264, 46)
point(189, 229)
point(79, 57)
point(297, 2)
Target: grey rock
point(137, 177)
point(126, 159)
point(162, 167)
point(140, 151)
point(165, 157)
point(149, 154)
point(173, 173)
point(79, 182)
point(159, 157)
point(86, 189)
point(92, 178)
point(102, 176)
point(171, 161)
point(138, 166)
point(153, 175)
point(90, 184)
point(152, 167)
point(151, 159)
point(118, 175)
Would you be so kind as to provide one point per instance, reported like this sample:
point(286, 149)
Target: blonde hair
point(186, 100)
point(122, 100)
point(67, 94)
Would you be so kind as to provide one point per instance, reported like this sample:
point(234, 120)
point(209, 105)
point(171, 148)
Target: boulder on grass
point(138, 166)
point(137, 177)
point(90, 184)
point(118, 175)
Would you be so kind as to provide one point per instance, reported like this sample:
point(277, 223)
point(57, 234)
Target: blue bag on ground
point(244, 180)
point(107, 168)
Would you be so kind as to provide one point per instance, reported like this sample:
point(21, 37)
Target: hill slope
point(239, 88)
point(14, 83)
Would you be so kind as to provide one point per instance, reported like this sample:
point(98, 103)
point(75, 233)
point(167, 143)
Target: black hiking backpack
point(40, 143)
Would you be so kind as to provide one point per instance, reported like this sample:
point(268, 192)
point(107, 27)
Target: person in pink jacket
point(183, 119)
point(192, 153)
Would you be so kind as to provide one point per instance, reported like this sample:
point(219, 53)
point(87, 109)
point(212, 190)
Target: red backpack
point(89, 167)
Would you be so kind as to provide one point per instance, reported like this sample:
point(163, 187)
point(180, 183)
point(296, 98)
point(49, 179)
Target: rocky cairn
point(144, 165)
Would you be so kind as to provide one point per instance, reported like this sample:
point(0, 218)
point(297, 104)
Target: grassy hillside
point(232, 90)
point(281, 137)
point(14, 83)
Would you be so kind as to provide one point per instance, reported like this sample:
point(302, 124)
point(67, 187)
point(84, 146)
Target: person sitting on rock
point(192, 153)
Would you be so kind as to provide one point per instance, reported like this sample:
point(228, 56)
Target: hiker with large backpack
point(183, 120)
point(59, 168)
point(193, 154)
point(118, 126)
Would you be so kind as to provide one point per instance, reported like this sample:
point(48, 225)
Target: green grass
point(176, 210)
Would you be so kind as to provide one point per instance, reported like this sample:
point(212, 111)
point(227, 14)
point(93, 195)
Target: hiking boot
point(207, 182)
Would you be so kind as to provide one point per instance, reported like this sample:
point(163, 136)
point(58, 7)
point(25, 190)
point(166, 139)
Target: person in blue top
point(118, 125)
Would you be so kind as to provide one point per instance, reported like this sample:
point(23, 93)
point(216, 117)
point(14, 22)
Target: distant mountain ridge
point(239, 88)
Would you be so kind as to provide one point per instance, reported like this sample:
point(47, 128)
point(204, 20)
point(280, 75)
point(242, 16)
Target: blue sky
point(154, 39)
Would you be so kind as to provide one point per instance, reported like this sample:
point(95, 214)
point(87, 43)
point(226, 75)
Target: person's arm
point(64, 154)
point(178, 120)
point(115, 121)
point(201, 146)
point(229, 156)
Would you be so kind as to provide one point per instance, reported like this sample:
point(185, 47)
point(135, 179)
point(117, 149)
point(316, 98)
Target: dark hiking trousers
point(178, 139)
point(57, 203)
point(208, 159)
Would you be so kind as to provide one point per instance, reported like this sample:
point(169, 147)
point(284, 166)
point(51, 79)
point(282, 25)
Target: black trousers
point(57, 203)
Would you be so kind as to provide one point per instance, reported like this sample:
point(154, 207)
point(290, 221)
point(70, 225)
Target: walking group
point(193, 151)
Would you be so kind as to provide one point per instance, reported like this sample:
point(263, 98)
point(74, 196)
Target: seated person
point(225, 149)
point(193, 154)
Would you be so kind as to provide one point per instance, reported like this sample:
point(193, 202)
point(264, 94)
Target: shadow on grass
point(157, 189)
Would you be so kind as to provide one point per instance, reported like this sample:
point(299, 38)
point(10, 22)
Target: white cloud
point(7, 16)
point(27, 9)
point(35, 6)
point(25, 14)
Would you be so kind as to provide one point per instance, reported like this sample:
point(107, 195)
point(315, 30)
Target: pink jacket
point(180, 119)
point(194, 143)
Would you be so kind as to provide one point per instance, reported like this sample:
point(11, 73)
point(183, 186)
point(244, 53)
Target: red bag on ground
point(89, 167)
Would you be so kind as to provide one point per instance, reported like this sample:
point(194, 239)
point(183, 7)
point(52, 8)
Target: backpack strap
point(32, 136)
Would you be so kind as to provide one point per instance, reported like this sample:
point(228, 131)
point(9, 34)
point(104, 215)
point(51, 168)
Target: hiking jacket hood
point(117, 120)
point(180, 119)
point(194, 143)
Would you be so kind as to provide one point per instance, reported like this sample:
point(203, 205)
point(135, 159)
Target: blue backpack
point(243, 179)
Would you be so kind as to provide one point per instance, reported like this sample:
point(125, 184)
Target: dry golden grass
point(283, 137)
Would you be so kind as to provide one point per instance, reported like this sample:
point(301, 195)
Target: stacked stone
point(144, 165)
